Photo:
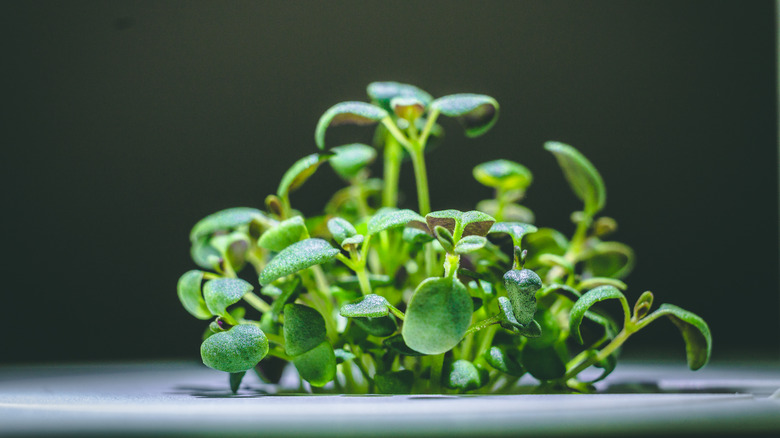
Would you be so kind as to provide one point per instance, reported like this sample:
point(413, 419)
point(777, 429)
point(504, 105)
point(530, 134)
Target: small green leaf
point(448, 219)
point(394, 382)
point(296, 257)
point(587, 300)
point(283, 235)
point(408, 108)
point(505, 359)
point(223, 292)
point(590, 283)
point(396, 343)
point(560, 289)
point(318, 365)
point(463, 376)
point(416, 236)
point(510, 211)
point(371, 305)
point(583, 178)
point(235, 380)
point(503, 174)
point(476, 223)
point(445, 238)
point(353, 241)
point(470, 244)
point(521, 286)
point(381, 93)
point(516, 230)
point(609, 259)
point(477, 113)
point(288, 293)
point(343, 355)
point(438, 315)
point(354, 113)
point(609, 325)
point(299, 172)
point(235, 350)
point(225, 220)
point(350, 159)
point(694, 330)
point(304, 329)
point(508, 320)
point(643, 305)
point(544, 363)
point(188, 289)
point(549, 330)
point(544, 241)
point(341, 229)
point(387, 218)
point(380, 327)
point(203, 254)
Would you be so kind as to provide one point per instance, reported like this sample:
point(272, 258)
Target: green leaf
point(464, 376)
point(371, 305)
point(350, 159)
point(288, 293)
point(438, 315)
point(343, 355)
point(476, 223)
point(283, 235)
point(416, 236)
point(352, 241)
point(188, 289)
point(590, 283)
point(394, 382)
point(544, 241)
point(235, 350)
point(560, 289)
point(396, 343)
point(387, 218)
point(694, 330)
point(353, 113)
point(381, 93)
point(609, 325)
point(448, 219)
point(470, 244)
point(445, 238)
point(477, 113)
point(223, 292)
point(408, 108)
point(341, 229)
point(471, 223)
point(380, 327)
point(607, 364)
point(375, 280)
point(609, 259)
point(225, 220)
point(296, 257)
point(318, 365)
point(516, 230)
point(521, 286)
point(643, 305)
point(587, 300)
point(503, 174)
point(510, 211)
point(549, 330)
point(299, 172)
point(203, 254)
point(583, 178)
point(304, 329)
point(235, 380)
point(544, 363)
point(504, 359)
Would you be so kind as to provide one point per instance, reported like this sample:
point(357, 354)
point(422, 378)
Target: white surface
point(186, 399)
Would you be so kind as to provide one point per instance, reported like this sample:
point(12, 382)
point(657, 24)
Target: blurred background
point(124, 123)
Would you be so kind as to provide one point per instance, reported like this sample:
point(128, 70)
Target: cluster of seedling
point(370, 298)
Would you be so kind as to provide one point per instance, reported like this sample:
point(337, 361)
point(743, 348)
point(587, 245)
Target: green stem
point(392, 170)
point(603, 354)
point(276, 339)
point(437, 363)
point(257, 302)
point(428, 126)
point(276, 353)
point(421, 175)
point(365, 285)
point(485, 323)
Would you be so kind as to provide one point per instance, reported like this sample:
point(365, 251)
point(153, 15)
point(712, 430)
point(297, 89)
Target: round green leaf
point(350, 159)
point(587, 300)
point(438, 315)
point(203, 254)
point(416, 236)
point(695, 332)
point(298, 256)
point(516, 230)
point(609, 259)
point(469, 244)
point(225, 220)
point(354, 113)
point(381, 93)
point(223, 292)
point(582, 176)
point(394, 382)
point(283, 235)
point(387, 218)
point(464, 376)
point(476, 223)
point(543, 364)
point(505, 359)
point(341, 229)
point(521, 286)
point(235, 350)
point(299, 172)
point(318, 365)
point(371, 305)
point(503, 174)
point(188, 289)
point(477, 113)
point(304, 329)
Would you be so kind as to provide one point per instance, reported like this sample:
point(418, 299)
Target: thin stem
point(392, 170)
point(437, 363)
point(276, 353)
point(603, 354)
point(396, 133)
point(276, 339)
point(485, 323)
point(257, 302)
point(423, 200)
point(428, 126)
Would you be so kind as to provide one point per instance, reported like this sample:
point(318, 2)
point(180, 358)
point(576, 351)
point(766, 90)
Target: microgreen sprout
point(369, 297)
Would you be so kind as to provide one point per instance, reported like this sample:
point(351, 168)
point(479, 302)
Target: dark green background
point(125, 122)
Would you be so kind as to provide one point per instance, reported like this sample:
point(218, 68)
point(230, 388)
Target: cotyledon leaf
point(505, 359)
point(238, 349)
point(283, 234)
point(387, 218)
point(464, 376)
point(694, 330)
point(223, 292)
point(587, 300)
point(438, 315)
point(190, 295)
point(516, 230)
point(341, 229)
point(371, 305)
point(382, 93)
point(350, 159)
point(503, 174)
point(296, 257)
point(582, 176)
point(299, 172)
point(355, 113)
point(470, 244)
point(477, 113)
point(225, 220)
point(304, 329)
point(318, 365)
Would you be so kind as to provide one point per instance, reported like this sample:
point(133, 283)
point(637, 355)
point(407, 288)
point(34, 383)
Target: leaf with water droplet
point(225, 220)
point(299, 172)
point(223, 292)
point(350, 159)
point(387, 218)
point(503, 174)
point(587, 300)
point(238, 349)
point(371, 305)
point(284, 234)
point(352, 113)
point(296, 257)
point(438, 315)
point(477, 113)
point(189, 292)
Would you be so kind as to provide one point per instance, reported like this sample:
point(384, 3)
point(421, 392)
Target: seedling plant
point(368, 297)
